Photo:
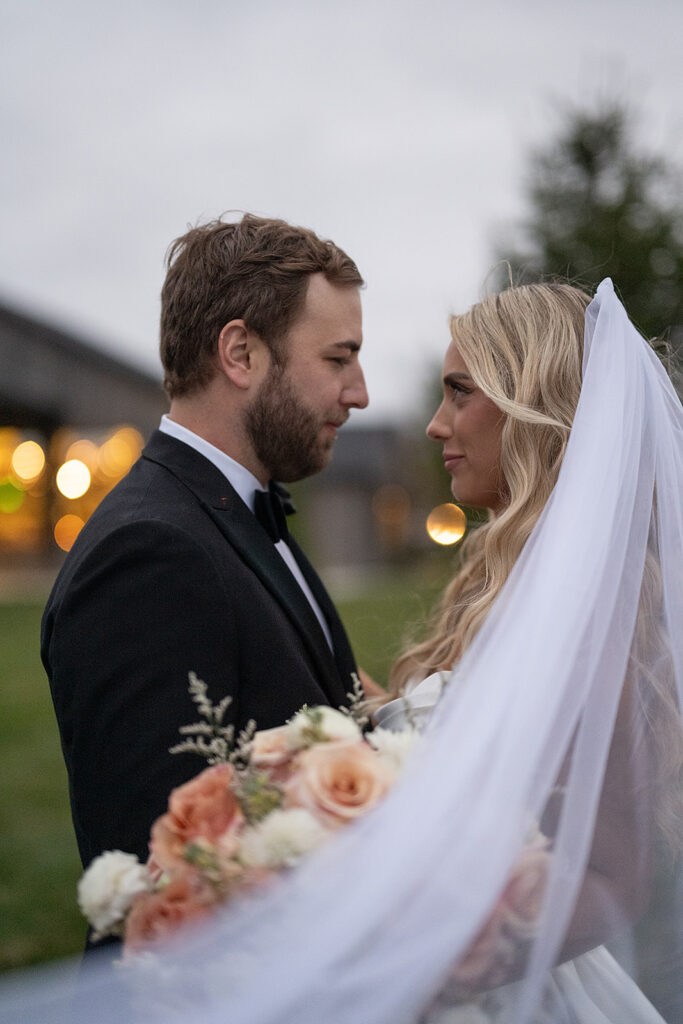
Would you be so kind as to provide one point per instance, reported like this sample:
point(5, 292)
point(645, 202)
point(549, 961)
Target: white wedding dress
point(591, 989)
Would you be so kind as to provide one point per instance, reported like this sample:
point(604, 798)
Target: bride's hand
point(370, 687)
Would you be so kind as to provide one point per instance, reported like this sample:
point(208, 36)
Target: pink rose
point(157, 916)
point(523, 895)
point(271, 747)
point(338, 782)
point(480, 957)
point(498, 948)
point(203, 809)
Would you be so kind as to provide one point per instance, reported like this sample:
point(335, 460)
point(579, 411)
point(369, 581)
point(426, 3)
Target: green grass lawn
point(388, 613)
point(39, 865)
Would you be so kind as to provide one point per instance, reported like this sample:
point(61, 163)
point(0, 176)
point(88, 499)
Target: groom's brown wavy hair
point(255, 269)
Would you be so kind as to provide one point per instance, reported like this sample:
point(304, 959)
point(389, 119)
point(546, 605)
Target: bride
point(511, 385)
point(541, 806)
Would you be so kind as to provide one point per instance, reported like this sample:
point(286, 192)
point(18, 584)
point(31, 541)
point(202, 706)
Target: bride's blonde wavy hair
point(523, 349)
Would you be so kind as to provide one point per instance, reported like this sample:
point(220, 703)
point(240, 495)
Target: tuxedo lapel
point(248, 538)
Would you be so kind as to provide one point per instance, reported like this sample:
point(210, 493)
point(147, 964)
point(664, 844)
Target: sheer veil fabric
point(554, 716)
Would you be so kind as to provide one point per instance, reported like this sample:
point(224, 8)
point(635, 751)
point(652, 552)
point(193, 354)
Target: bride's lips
point(452, 462)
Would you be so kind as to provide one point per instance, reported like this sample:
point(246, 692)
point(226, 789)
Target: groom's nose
point(355, 394)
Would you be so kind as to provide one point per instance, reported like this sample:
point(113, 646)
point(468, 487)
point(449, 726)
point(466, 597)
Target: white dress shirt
point(246, 484)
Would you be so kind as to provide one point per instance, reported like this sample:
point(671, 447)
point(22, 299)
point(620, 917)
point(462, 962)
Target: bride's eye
point(455, 388)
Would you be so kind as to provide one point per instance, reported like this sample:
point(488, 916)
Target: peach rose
point(523, 895)
point(272, 747)
point(203, 809)
point(157, 916)
point(338, 782)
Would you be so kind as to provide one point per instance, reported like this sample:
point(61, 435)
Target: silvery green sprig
point(210, 738)
point(357, 703)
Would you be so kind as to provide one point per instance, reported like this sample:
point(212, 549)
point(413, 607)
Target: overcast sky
point(401, 130)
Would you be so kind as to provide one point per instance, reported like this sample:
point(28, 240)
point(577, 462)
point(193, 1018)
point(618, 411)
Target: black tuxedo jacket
point(172, 574)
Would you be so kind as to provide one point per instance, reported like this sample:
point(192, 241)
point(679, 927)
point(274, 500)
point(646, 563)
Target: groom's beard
point(285, 434)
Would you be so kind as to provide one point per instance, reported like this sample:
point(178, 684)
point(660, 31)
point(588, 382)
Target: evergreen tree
point(601, 207)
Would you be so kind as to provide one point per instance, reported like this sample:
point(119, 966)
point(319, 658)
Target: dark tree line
point(600, 206)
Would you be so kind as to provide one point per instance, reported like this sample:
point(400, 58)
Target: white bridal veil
point(564, 711)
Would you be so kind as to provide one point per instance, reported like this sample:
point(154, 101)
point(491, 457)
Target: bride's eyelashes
point(454, 388)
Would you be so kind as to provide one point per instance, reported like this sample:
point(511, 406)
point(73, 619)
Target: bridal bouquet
point(266, 801)
point(263, 803)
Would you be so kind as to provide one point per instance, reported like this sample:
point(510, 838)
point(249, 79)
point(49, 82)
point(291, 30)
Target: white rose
point(393, 747)
point(271, 748)
point(321, 724)
point(466, 1013)
point(281, 839)
point(107, 889)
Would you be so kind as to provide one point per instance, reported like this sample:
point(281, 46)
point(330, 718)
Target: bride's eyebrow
point(457, 378)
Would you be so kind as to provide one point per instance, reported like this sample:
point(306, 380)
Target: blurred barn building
point(73, 419)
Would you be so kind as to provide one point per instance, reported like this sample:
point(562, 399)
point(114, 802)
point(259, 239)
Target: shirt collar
point(244, 482)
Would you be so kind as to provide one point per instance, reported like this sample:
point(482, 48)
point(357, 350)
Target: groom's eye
point(343, 353)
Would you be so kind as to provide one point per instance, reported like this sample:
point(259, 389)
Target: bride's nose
point(437, 428)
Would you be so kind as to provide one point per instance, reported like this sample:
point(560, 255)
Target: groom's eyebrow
point(352, 346)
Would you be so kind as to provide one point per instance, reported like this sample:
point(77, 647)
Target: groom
point(187, 565)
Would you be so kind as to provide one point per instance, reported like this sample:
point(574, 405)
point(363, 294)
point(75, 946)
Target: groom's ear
point(241, 354)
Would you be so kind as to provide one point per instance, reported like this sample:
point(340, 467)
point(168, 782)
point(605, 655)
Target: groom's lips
point(334, 425)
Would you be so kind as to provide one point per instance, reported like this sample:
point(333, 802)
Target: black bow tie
point(271, 508)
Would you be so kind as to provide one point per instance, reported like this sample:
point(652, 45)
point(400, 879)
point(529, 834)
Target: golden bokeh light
point(9, 439)
point(44, 480)
point(133, 439)
point(28, 461)
point(391, 504)
point(73, 478)
point(446, 524)
point(119, 452)
point(66, 530)
point(391, 508)
point(83, 450)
